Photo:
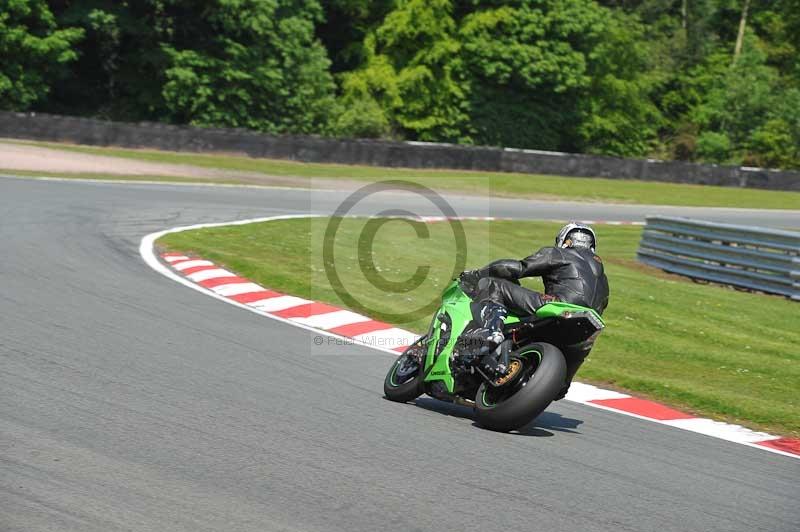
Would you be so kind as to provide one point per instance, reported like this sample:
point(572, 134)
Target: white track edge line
point(147, 252)
point(662, 422)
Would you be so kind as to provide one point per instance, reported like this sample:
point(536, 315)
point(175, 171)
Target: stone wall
point(36, 126)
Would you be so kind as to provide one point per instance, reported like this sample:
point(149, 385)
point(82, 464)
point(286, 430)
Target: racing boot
point(490, 331)
point(482, 341)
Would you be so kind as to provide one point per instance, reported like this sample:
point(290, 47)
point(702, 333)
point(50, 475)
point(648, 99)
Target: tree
point(534, 74)
point(120, 71)
point(346, 25)
point(33, 50)
point(618, 115)
point(525, 74)
point(776, 143)
point(240, 63)
point(740, 101)
point(737, 50)
point(253, 64)
point(414, 72)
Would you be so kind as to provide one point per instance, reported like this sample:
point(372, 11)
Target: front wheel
point(404, 382)
point(523, 398)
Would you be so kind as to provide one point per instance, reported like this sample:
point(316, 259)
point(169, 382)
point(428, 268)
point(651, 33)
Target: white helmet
point(576, 235)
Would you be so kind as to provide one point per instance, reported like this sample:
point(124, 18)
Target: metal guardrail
point(751, 258)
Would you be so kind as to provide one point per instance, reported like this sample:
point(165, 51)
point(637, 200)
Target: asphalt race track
point(129, 402)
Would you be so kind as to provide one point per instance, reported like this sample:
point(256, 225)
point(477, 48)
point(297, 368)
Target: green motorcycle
point(441, 363)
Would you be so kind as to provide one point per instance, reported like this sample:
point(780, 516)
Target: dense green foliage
point(33, 52)
point(702, 80)
point(240, 63)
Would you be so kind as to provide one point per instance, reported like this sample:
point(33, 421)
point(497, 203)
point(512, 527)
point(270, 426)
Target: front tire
point(524, 399)
point(404, 381)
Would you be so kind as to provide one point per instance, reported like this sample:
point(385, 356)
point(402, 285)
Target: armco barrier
point(36, 126)
point(753, 258)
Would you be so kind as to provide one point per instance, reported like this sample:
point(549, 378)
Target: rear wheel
point(521, 398)
point(403, 383)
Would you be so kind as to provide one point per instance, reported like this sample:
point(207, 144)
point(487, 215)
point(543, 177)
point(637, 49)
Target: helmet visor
point(581, 239)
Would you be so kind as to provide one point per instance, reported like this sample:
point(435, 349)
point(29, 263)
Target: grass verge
point(483, 183)
point(714, 351)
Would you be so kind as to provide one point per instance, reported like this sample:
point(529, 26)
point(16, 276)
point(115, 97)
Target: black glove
point(469, 281)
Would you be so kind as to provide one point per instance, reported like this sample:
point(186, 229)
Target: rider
point(571, 272)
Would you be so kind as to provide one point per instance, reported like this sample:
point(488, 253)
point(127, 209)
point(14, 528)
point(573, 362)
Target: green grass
point(711, 350)
point(483, 183)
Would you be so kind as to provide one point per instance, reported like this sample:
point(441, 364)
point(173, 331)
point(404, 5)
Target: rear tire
point(402, 383)
point(527, 397)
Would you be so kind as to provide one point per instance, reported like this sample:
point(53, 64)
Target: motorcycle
point(532, 364)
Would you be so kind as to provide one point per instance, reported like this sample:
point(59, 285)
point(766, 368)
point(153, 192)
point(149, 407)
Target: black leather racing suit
point(572, 275)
